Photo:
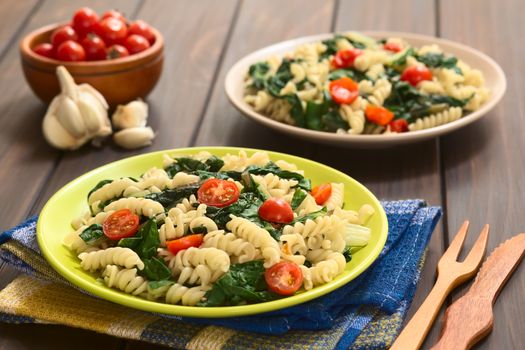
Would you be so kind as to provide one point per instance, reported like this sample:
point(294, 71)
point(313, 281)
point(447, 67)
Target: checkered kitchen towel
point(367, 313)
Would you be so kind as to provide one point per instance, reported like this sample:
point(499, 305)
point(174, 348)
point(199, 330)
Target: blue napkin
point(376, 301)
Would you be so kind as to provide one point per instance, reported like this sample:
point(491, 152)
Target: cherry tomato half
point(70, 51)
point(116, 51)
point(284, 278)
point(142, 28)
point(184, 243)
point(122, 223)
point(276, 210)
point(343, 90)
point(399, 125)
point(63, 34)
point(112, 30)
point(394, 47)
point(95, 47)
point(345, 58)
point(378, 115)
point(45, 49)
point(84, 21)
point(321, 193)
point(415, 74)
point(136, 43)
point(218, 193)
point(114, 14)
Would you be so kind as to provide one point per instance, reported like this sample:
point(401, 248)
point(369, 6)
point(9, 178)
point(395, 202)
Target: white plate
point(494, 80)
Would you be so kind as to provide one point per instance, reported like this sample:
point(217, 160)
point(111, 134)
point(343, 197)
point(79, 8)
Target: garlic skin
point(75, 116)
point(131, 115)
point(131, 138)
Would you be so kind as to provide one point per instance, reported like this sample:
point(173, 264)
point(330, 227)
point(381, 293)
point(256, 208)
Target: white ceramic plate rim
point(237, 72)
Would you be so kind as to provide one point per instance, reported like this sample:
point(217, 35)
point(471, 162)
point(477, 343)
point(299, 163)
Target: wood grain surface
point(475, 173)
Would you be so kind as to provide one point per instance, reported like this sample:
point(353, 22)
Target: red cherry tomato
point(112, 30)
point(142, 28)
point(114, 14)
point(276, 210)
point(63, 34)
point(95, 47)
point(84, 21)
point(122, 223)
point(415, 74)
point(70, 51)
point(378, 115)
point(399, 125)
point(343, 90)
point(345, 58)
point(218, 193)
point(284, 278)
point(116, 51)
point(45, 49)
point(185, 242)
point(321, 193)
point(136, 43)
point(394, 47)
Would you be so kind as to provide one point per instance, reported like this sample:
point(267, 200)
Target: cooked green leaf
point(145, 242)
point(99, 185)
point(258, 73)
point(92, 233)
point(155, 269)
point(298, 197)
point(168, 198)
point(311, 216)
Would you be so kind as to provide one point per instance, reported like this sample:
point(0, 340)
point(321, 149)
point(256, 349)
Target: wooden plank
point(16, 14)
point(484, 162)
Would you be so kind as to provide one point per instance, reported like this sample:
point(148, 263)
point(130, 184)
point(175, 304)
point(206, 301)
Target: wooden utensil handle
point(466, 321)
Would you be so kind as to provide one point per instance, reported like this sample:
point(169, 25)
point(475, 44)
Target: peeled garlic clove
point(95, 116)
point(57, 136)
point(132, 138)
point(69, 116)
point(131, 115)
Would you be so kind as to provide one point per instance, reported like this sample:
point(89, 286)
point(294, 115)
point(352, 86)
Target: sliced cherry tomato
point(112, 30)
point(116, 51)
point(142, 28)
point(114, 14)
point(63, 34)
point(45, 49)
point(218, 193)
point(276, 210)
point(95, 47)
point(184, 243)
point(70, 51)
point(415, 74)
point(378, 115)
point(136, 43)
point(344, 90)
point(399, 125)
point(284, 278)
point(84, 21)
point(394, 47)
point(345, 58)
point(321, 193)
point(122, 223)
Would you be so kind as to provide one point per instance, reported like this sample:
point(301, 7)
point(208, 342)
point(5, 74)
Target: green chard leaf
point(258, 73)
point(439, 60)
point(351, 73)
point(155, 269)
point(297, 111)
point(271, 167)
point(160, 283)
point(298, 197)
point(145, 242)
point(311, 216)
point(92, 234)
point(98, 186)
point(169, 198)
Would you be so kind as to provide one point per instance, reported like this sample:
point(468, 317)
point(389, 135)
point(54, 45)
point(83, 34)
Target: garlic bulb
point(133, 114)
point(137, 137)
point(78, 114)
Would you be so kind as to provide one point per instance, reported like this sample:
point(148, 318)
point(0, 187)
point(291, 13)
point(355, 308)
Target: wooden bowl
point(119, 81)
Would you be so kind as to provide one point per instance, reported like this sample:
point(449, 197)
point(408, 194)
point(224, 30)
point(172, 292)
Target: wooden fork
point(451, 274)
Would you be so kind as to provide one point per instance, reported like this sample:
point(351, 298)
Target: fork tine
point(475, 255)
point(454, 248)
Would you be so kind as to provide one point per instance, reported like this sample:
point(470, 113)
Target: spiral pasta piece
point(238, 249)
point(126, 280)
point(177, 222)
point(120, 256)
point(441, 118)
point(336, 198)
point(178, 293)
point(110, 190)
point(139, 206)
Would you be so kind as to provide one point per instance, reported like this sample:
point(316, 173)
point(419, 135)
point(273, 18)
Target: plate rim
point(363, 140)
point(108, 294)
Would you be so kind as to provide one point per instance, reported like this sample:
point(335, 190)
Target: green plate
point(70, 202)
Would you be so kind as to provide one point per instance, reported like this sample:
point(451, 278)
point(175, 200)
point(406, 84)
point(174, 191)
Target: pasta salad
point(354, 84)
point(217, 231)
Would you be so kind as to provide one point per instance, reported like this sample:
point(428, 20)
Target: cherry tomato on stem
point(343, 90)
point(399, 125)
point(63, 34)
point(122, 223)
point(416, 74)
point(345, 58)
point(142, 28)
point(218, 193)
point(116, 51)
point(394, 47)
point(70, 51)
point(112, 30)
point(284, 278)
point(378, 115)
point(276, 210)
point(84, 21)
point(185, 242)
point(136, 43)
point(45, 49)
point(321, 193)
point(95, 47)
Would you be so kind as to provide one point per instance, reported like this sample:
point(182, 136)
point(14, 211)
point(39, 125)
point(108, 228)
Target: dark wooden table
point(477, 173)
